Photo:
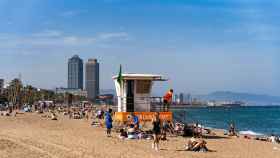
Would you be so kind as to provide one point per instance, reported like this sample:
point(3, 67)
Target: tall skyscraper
point(75, 73)
point(92, 79)
point(176, 98)
point(189, 98)
point(181, 98)
point(1, 84)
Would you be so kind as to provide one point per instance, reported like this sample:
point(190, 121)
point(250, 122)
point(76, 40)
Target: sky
point(200, 46)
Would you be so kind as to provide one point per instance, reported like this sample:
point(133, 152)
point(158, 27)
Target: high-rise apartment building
point(181, 98)
point(92, 79)
point(75, 73)
point(1, 85)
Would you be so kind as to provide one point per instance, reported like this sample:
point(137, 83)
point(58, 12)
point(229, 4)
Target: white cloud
point(71, 13)
point(75, 40)
point(55, 40)
point(112, 35)
point(48, 33)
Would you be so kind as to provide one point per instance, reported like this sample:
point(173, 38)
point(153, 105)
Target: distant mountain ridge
point(251, 99)
point(107, 91)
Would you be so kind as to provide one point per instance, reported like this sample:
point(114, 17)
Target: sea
point(253, 120)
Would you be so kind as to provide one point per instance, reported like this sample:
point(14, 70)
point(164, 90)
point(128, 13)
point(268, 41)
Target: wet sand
point(31, 136)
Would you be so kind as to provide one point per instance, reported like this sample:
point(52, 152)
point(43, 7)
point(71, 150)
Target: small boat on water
point(233, 104)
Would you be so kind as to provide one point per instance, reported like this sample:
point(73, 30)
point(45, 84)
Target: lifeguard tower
point(134, 95)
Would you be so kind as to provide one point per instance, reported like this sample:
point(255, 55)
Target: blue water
point(262, 120)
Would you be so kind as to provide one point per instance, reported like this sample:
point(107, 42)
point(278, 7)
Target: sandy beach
point(30, 135)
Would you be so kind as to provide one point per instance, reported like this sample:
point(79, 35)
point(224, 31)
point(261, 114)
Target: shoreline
point(175, 107)
point(241, 132)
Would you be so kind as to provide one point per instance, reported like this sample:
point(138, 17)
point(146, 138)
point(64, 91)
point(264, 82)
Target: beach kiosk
point(134, 95)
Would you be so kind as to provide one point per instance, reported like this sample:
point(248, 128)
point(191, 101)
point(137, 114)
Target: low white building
point(76, 92)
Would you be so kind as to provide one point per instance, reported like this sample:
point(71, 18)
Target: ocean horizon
point(253, 120)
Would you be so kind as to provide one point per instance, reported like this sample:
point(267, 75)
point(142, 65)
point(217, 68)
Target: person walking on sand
point(109, 122)
point(167, 100)
point(156, 131)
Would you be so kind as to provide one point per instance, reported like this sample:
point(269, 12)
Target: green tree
point(15, 92)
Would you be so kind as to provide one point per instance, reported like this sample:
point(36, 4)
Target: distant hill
point(108, 91)
point(251, 99)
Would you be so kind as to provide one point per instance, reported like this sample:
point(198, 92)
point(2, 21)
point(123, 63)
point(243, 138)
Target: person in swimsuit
point(156, 131)
point(232, 131)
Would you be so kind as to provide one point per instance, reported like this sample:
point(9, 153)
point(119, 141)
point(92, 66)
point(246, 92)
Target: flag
point(120, 77)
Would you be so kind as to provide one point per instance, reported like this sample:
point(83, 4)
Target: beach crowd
point(156, 130)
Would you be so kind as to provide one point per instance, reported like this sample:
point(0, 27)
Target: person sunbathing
point(178, 128)
point(123, 134)
point(86, 114)
point(197, 130)
point(196, 145)
point(171, 127)
point(53, 116)
point(168, 127)
point(131, 132)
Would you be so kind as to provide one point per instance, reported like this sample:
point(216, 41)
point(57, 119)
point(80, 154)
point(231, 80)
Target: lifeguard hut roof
point(135, 76)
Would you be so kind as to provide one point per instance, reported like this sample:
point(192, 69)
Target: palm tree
point(14, 92)
point(30, 94)
point(59, 98)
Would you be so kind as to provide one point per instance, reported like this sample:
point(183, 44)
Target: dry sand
point(32, 136)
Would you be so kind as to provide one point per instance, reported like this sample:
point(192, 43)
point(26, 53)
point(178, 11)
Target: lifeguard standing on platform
point(167, 100)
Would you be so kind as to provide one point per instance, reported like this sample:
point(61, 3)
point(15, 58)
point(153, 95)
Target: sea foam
point(250, 133)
